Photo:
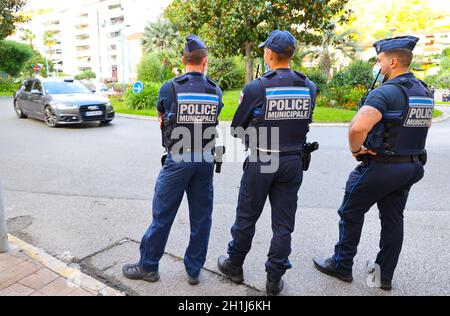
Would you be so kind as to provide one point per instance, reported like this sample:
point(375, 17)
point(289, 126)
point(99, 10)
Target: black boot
point(235, 273)
point(326, 266)
point(136, 272)
point(273, 288)
point(193, 281)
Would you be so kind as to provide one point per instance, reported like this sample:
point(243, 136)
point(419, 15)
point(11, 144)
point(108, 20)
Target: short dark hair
point(286, 55)
point(404, 56)
point(196, 57)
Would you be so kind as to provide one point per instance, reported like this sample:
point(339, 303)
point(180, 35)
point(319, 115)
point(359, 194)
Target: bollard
point(4, 246)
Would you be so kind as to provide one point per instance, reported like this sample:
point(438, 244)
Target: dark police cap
point(193, 43)
point(385, 45)
point(278, 41)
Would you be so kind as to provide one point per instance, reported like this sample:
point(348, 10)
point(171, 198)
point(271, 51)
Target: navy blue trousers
point(388, 186)
point(196, 179)
point(282, 189)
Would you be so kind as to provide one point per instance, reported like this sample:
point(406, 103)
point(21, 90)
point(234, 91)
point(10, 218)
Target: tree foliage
point(14, 56)
point(37, 59)
point(234, 27)
point(9, 16)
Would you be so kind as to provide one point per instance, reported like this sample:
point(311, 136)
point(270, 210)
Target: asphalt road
point(83, 193)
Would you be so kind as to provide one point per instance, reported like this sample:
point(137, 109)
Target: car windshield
point(65, 87)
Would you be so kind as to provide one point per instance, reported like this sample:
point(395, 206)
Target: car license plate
point(94, 113)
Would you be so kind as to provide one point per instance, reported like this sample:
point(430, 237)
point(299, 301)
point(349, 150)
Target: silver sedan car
point(60, 102)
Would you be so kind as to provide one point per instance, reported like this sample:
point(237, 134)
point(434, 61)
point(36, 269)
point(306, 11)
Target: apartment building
point(99, 35)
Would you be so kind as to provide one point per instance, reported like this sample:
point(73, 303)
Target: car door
point(24, 97)
point(37, 101)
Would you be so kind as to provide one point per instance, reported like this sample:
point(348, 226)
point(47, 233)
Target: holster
point(218, 153)
point(163, 160)
point(423, 158)
point(308, 149)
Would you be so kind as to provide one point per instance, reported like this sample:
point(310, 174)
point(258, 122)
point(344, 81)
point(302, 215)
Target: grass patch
point(6, 94)
point(231, 102)
point(121, 107)
point(443, 103)
point(437, 113)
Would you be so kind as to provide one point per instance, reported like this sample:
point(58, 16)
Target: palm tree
point(161, 36)
point(332, 44)
point(28, 36)
point(49, 41)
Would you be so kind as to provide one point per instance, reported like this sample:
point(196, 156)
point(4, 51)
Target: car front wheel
point(18, 110)
point(50, 117)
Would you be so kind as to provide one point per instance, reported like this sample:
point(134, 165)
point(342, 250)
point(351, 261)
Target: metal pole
point(124, 87)
point(46, 67)
point(4, 246)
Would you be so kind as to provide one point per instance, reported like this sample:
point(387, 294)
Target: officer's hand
point(364, 151)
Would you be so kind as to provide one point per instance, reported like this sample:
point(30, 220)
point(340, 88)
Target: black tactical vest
point(404, 132)
point(287, 111)
point(194, 113)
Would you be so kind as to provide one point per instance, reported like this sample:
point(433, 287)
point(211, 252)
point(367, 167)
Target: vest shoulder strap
point(301, 75)
point(270, 74)
point(181, 79)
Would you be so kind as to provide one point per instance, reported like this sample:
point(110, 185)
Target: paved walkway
point(28, 271)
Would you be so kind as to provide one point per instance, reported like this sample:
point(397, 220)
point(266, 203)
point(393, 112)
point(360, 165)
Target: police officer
point(280, 104)
point(188, 107)
point(388, 134)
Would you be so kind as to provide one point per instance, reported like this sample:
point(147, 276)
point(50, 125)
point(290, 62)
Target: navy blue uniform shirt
point(253, 97)
point(388, 97)
point(166, 97)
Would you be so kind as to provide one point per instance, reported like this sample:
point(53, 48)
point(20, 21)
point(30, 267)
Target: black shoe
point(193, 281)
point(273, 288)
point(136, 272)
point(326, 266)
point(386, 285)
point(235, 273)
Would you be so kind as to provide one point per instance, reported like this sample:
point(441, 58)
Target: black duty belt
point(278, 153)
point(395, 159)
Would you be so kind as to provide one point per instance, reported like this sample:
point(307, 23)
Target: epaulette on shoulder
point(270, 74)
point(301, 75)
point(181, 79)
point(212, 82)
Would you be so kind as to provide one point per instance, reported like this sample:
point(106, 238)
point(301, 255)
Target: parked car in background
point(61, 101)
point(98, 88)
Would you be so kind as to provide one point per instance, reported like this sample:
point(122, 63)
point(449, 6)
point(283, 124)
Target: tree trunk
point(248, 62)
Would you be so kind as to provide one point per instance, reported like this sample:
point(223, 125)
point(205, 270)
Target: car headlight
point(109, 106)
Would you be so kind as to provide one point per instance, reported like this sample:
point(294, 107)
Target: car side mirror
point(36, 92)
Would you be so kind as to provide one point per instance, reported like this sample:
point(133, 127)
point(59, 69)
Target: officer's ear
point(183, 60)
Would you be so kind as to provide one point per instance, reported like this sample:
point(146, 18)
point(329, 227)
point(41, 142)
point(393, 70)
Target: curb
point(72, 275)
point(442, 118)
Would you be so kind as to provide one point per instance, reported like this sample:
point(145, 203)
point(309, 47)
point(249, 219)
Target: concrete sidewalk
point(28, 271)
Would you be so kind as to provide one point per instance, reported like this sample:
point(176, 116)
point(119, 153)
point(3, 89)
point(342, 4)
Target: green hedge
point(9, 87)
point(146, 99)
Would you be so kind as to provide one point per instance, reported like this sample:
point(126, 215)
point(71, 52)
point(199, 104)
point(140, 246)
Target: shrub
point(229, 73)
point(9, 87)
point(146, 99)
point(440, 80)
point(359, 73)
point(152, 69)
point(87, 74)
point(346, 97)
point(446, 52)
point(317, 76)
point(14, 56)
